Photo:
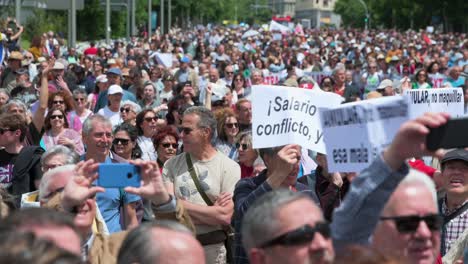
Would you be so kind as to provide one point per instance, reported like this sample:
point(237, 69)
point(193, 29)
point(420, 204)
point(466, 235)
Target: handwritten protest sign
point(355, 133)
point(448, 100)
point(284, 115)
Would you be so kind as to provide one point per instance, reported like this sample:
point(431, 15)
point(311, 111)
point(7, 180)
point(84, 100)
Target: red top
point(420, 166)
point(91, 51)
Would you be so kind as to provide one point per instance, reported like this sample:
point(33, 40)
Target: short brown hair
point(47, 125)
point(14, 122)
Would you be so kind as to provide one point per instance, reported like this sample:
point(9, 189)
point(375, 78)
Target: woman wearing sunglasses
point(81, 111)
point(63, 101)
point(166, 144)
point(124, 144)
point(239, 86)
point(421, 80)
point(146, 123)
point(247, 156)
point(128, 112)
point(58, 133)
point(228, 128)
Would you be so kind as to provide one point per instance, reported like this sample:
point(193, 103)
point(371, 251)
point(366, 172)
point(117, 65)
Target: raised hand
point(152, 184)
point(79, 187)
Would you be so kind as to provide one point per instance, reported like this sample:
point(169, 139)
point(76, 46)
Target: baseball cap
point(58, 66)
point(385, 83)
point(184, 59)
point(101, 78)
point(15, 55)
point(114, 89)
point(115, 71)
point(457, 154)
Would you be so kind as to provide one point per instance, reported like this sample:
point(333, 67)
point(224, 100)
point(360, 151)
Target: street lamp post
point(366, 20)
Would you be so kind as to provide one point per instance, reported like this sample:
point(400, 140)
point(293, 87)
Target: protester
point(166, 144)
point(146, 123)
point(228, 128)
point(213, 170)
point(128, 112)
point(124, 144)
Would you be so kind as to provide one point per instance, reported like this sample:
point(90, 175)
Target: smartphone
point(450, 135)
point(118, 175)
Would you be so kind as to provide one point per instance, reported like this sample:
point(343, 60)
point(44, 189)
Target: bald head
point(178, 247)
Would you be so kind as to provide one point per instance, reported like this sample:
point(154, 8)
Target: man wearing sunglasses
point(396, 215)
point(217, 175)
point(20, 168)
point(285, 227)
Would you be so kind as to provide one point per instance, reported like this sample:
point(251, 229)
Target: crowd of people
point(179, 106)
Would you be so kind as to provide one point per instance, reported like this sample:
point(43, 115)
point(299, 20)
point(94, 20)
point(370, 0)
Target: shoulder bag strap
point(193, 174)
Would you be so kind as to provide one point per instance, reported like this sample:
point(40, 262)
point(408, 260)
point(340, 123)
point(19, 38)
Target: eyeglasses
point(122, 141)
point(126, 110)
point(232, 125)
point(167, 145)
point(58, 102)
point(410, 223)
point(229, 73)
point(56, 117)
point(79, 99)
point(239, 80)
point(3, 130)
point(149, 119)
point(243, 146)
point(300, 236)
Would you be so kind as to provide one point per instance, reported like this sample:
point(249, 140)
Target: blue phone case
point(118, 175)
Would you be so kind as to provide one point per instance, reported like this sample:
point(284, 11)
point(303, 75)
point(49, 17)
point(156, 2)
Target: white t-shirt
point(114, 117)
point(218, 175)
point(147, 147)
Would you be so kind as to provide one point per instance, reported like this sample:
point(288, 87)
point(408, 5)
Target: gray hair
point(88, 123)
point(69, 156)
point(79, 91)
point(207, 120)
point(419, 178)
point(15, 102)
point(49, 175)
point(260, 222)
point(257, 71)
point(4, 91)
point(136, 107)
point(139, 247)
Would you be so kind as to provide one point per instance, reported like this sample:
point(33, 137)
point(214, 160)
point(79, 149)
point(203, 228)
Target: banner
point(284, 115)
point(317, 76)
point(437, 80)
point(355, 133)
point(165, 59)
point(272, 78)
point(448, 100)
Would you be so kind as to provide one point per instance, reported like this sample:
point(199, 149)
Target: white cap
point(114, 89)
point(101, 78)
point(58, 66)
point(385, 83)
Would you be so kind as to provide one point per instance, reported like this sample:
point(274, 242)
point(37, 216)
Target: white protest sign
point(448, 100)
point(437, 80)
point(355, 133)
point(284, 115)
point(272, 78)
point(165, 59)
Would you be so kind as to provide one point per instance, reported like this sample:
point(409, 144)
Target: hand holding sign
point(410, 140)
point(283, 165)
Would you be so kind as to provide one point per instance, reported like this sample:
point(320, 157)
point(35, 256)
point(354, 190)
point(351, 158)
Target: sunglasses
point(79, 99)
point(242, 146)
point(229, 72)
point(410, 223)
point(3, 130)
point(232, 125)
point(58, 102)
point(186, 130)
point(126, 110)
point(122, 141)
point(149, 119)
point(56, 117)
point(239, 80)
point(167, 145)
point(300, 236)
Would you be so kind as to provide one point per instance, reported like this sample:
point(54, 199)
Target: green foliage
point(91, 21)
point(42, 21)
point(352, 12)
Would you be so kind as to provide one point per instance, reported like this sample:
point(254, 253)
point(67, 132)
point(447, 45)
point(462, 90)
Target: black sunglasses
point(149, 119)
point(79, 99)
point(185, 130)
point(243, 146)
point(300, 236)
point(126, 110)
point(167, 145)
point(232, 125)
point(58, 102)
point(56, 117)
point(3, 130)
point(122, 141)
point(410, 223)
